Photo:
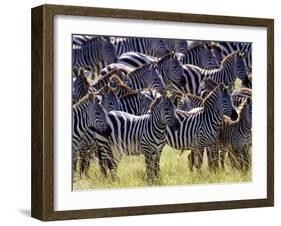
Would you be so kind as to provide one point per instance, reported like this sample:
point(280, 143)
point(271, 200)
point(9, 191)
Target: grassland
point(173, 171)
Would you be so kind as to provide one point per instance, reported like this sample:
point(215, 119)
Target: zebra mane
point(229, 57)
point(85, 100)
point(131, 93)
point(106, 89)
point(193, 98)
point(110, 74)
point(210, 98)
point(155, 103)
point(166, 57)
point(141, 69)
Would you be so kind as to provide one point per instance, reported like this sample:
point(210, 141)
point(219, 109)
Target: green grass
point(173, 171)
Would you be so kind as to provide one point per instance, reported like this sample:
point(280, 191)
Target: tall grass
point(173, 171)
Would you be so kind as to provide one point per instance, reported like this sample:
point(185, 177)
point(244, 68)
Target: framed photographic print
point(141, 112)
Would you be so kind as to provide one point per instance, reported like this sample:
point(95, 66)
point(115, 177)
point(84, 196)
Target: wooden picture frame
point(43, 112)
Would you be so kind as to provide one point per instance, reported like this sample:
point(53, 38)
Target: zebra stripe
point(145, 76)
point(148, 46)
point(135, 103)
point(133, 60)
point(95, 53)
point(202, 56)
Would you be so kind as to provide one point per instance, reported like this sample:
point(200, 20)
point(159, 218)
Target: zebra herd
point(133, 96)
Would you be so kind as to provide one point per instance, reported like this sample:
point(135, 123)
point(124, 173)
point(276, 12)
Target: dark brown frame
point(42, 202)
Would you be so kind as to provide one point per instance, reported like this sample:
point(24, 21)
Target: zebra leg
point(245, 158)
point(209, 156)
point(149, 165)
point(74, 163)
point(222, 156)
point(157, 164)
point(191, 160)
point(200, 158)
point(102, 161)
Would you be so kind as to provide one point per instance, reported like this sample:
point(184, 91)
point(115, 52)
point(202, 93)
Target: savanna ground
point(173, 171)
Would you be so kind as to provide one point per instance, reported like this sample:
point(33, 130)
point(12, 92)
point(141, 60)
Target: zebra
point(229, 47)
point(177, 45)
point(81, 86)
point(135, 135)
point(171, 70)
point(87, 114)
point(239, 95)
point(232, 66)
point(133, 60)
point(135, 103)
point(146, 76)
point(150, 46)
point(202, 56)
point(78, 40)
point(109, 99)
point(95, 53)
point(236, 136)
point(200, 127)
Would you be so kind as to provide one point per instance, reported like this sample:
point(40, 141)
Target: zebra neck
point(162, 68)
point(245, 125)
point(156, 120)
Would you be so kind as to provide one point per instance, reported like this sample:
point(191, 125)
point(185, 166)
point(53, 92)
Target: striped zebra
point(239, 95)
point(230, 47)
point(87, 114)
point(232, 66)
point(177, 45)
point(171, 70)
point(95, 53)
point(135, 103)
point(202, 55)
point(133, 60)
point(135, 135)
point(149, 46)
point(109, 99)
point(146, 76)
point(81, 86)
point(236, 137)
point(200, 127)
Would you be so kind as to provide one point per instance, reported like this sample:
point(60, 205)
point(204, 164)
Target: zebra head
point(159, 47)
point(245, 111)
point(168, 111)
point(80, 86)
point(106, 50)
point(174, 70)
point(97, 116)
point(145, 101)
point(109, 100)
point(240, 68)
point(206, 86)
point(227, 104)
point(210, 57)
point(220, 101)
